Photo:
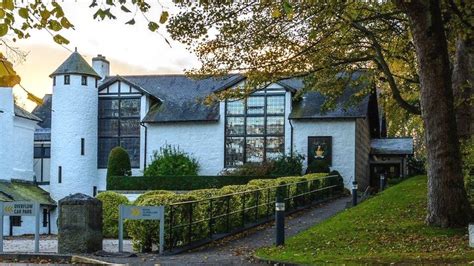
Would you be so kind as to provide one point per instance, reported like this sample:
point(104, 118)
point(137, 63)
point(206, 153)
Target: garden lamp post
point(382, 182)
point(354, 193)
point(280, 216)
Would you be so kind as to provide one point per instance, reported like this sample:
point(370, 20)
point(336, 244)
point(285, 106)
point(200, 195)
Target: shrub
point(110, 212)
point(288, 165)
point(145, 233)
point(151, 193)
point(318, 166)
point(119, 163)
point(171, 160)
point(416, 166)
point(248, 206)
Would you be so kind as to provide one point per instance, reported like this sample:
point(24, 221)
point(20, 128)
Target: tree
point(402, 46)
point(119, 163)
point(388, 40)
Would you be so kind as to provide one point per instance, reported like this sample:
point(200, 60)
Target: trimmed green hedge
point(176, 182)
point(225, 200)
point(110, 213)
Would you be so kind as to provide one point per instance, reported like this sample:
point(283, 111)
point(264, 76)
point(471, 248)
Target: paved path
point(235, 250)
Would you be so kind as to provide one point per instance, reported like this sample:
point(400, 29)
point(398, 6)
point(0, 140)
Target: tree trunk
point(448, 205)
point(462, 87)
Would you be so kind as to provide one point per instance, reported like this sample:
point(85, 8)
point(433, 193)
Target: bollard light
point(382, 182)
point(280, 220)
point(354, 193)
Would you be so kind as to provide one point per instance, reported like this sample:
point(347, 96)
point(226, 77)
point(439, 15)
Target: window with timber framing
point(119, 125)
point(255, 128)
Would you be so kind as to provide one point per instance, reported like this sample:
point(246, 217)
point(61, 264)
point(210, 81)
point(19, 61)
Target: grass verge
point(388, 228)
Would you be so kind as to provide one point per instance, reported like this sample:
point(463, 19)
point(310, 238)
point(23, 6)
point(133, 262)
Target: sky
point(130, 49)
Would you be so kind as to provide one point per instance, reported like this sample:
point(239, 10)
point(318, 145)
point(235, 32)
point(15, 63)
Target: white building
point(91, 112)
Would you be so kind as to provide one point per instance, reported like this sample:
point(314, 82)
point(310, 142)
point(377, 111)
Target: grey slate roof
point(75, 64)
point(180, 96)
point(20, 112)
point(391, 146)
point(44, 111)
point(311, 106)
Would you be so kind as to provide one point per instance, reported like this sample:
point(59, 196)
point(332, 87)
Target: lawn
point(384, 229)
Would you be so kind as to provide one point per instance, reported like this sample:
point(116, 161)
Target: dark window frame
point(83, 144)
point(84, 80)
point(15, 221)
point(67, 79)
point(54, 81)
point(60, 174)
point(119, 137)
point(262, 93)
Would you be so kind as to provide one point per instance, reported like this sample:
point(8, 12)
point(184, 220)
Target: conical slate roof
point(75, 64)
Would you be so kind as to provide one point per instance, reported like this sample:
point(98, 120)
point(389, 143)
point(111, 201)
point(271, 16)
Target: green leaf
point(3, 29)
point(2, 13)
point(60, 39)
point(125, 9)
point(287, 7)
point(153, 26)
point(54, 25)
point(23, 12)
point(45, 14)
point(164, 17)
point(130, 22)
point(65, 23)
point(276, 13)
point(8, 4)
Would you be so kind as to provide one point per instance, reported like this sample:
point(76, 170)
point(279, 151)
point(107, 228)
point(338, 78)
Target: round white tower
point(74, 128)
point(6, 128)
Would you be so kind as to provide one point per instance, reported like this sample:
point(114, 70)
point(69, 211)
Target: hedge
point(110, 213)
point(145, 233)
point(176, 183)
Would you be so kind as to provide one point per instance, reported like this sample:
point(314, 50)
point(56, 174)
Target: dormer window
point(67, 79)
point(84, 80)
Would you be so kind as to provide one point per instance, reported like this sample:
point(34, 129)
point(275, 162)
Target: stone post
point(79, 224)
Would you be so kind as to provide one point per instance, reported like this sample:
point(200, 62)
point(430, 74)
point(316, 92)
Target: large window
point(119, 125)
point(255, 128)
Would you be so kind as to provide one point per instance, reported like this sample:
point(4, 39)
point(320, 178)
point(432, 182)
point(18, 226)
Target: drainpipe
point(146, 136)
point(291, 137)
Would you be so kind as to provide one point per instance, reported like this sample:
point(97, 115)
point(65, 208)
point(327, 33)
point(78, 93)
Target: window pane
point(254, 149)
point(255, 105)
point(108, 107)
point(275, 125)
point(108, 127)
point(255, 125)
point(275, 104)
point(235, 108)
point(46, 152)
point(105, 146)
point(132, 146)
point(129, 127)
point(234, 151)
point(38, 152)
point(130, 108)
point(235, 126)
point(275, 147)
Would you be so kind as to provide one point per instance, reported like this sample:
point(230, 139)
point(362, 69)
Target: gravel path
point(235, 250)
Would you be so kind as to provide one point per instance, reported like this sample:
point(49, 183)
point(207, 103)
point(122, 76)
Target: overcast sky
point(130, 49)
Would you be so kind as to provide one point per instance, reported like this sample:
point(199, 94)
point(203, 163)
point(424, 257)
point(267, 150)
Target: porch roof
point(392, 146)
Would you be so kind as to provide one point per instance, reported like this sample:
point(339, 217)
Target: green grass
point(384, 229)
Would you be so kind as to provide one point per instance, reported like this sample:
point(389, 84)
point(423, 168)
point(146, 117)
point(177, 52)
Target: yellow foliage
point(8, 76)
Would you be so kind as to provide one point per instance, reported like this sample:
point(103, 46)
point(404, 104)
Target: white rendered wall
point(203, 140)
point(343, 143)
point(74, 117)
point(22, 155)
point(6, 128)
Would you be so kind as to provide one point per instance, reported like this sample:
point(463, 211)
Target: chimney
point(101, 66)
